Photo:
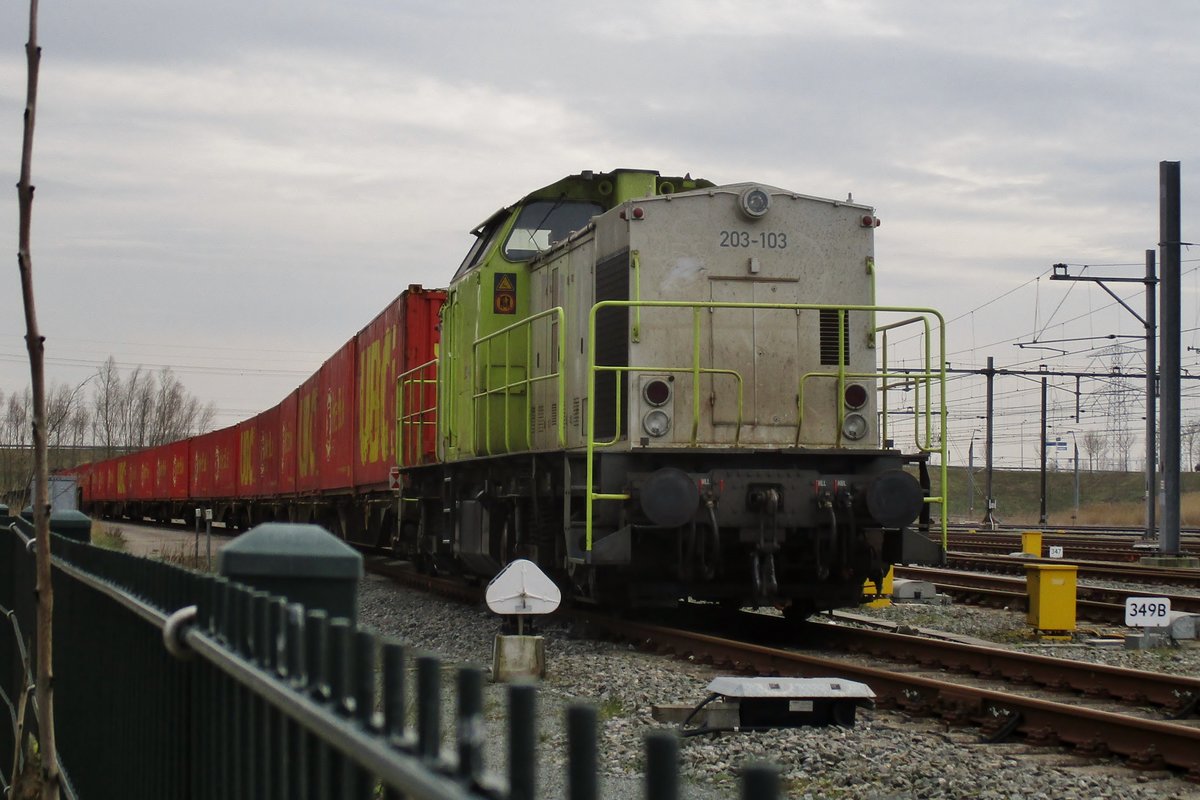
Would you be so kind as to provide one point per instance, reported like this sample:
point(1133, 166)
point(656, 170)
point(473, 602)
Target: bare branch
point(35, 343)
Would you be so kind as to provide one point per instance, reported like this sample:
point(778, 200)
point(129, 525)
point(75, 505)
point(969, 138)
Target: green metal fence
point(173, 684)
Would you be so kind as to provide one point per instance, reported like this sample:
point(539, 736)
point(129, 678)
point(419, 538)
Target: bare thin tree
point(1094, 444)
point(41, 502)
point(1189, 434)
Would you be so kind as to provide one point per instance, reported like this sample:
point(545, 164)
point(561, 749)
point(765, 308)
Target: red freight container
point(288, 410)
point(258, 455)
point(176, 457)
point(106, 489)
point(310, 430)
point(247, 468)
point(266, 459)
point(143, 487)
point(335, 448)
point(120, 467)
point(126, 477)
point(225, 459)
point(162, 472)
point(203, 457)
point(214, 464)
point(401, 337)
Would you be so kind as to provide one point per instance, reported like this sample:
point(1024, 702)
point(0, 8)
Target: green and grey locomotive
point(659, 388)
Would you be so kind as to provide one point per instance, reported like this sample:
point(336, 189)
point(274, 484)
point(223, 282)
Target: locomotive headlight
point(656, 423)
point(754, 202)
point(854, 426)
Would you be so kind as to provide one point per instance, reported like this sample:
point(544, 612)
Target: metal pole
point(1042, 515)
point(1151, 405)
point(1169, 289)
point(208, 535)
point(971, 476)
point(197, 549)
point(1075, 518)
point(989, 518)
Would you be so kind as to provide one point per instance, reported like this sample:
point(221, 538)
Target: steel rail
point(1143, 742)
point(1100, 570)
point(1176, 693)
point(1017, 599)
point(1097, 598)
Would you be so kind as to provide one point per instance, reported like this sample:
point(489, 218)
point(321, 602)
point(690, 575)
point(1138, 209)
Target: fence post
point(522, 735)
point(429, 707)
point(393, 702)
point(662, 766)
point(760, 782)
point(581, 752)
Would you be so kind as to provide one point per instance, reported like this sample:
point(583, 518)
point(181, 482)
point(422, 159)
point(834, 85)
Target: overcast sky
point(235, 188)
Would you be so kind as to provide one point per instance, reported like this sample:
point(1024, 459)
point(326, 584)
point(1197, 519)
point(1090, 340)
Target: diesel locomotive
point(660, 388)
point(654, 387)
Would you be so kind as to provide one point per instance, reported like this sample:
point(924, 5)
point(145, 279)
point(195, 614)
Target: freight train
point(654, 387)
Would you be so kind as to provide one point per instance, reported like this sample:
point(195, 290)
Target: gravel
point(887, 755)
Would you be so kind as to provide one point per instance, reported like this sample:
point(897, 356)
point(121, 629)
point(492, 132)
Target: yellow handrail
point(413, 389)
point(510, 387)
point(929, 375)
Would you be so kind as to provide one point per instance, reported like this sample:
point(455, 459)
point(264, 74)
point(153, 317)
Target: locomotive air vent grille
point(829, 337)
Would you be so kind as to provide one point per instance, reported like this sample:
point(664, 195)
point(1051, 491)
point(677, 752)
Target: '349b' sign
point(1147, 612)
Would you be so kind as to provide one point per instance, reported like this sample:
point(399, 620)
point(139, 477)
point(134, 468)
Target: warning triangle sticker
point(505, 284)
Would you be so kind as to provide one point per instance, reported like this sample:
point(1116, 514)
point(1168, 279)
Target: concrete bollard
point(518, 657)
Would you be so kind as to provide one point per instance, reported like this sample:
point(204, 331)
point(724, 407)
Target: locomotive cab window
point(542, 223)
point(484, 237)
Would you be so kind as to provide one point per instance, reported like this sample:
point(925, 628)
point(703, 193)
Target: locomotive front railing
point(913, 380)
point(416, 411)
point(931, 375)
point(511, 387)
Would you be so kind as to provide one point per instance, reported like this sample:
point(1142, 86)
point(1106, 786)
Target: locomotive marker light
point(657, 393)
point(855, 396)
point(754, 202)
point(518, 590)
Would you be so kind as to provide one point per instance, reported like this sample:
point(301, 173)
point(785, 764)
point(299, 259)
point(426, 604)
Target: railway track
point(1094, 730)
point(1092, 570)
point(1075, 546)
point(1095, 603)
point(1189, 535)
point(1145, 718)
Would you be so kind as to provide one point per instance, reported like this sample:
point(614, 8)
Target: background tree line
point(105, 415)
